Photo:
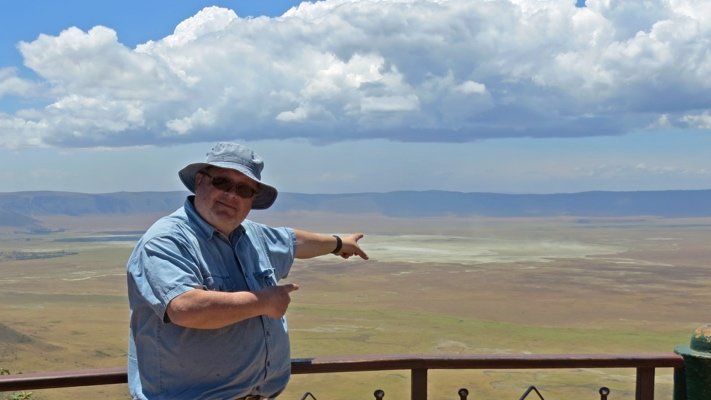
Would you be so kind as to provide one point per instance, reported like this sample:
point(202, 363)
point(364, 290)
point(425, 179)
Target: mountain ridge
point(24, 208)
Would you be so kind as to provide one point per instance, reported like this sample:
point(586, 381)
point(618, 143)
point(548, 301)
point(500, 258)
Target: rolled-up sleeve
point(162, 269)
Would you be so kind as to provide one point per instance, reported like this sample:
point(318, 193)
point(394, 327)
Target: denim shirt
point(182, 252)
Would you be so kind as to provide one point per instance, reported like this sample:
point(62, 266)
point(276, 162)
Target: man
point(207, 314)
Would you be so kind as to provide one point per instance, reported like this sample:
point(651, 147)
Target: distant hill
point(12, 218)
point(23, 208)
point(673, 203)
point(77, 204)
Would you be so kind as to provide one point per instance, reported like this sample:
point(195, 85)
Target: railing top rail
point(484, 361)
point(59, 379)
point(379, 362)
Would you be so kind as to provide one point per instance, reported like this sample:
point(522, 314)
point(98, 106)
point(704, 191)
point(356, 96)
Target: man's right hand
point(276, 299)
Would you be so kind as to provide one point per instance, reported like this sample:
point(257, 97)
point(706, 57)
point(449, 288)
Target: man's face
point(225, 210)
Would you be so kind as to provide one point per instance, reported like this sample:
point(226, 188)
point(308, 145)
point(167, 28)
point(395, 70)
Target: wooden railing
point(644, 363)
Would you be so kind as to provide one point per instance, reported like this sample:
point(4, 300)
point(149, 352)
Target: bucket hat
point(236, 157)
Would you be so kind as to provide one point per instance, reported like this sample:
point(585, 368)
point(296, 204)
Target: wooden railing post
point(418, 384)
point(645, 384)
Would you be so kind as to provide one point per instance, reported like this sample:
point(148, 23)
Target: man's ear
point(199, 176)
point(198, 182)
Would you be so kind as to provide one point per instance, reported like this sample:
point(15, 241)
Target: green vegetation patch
point(33, 255)
point(321, 331)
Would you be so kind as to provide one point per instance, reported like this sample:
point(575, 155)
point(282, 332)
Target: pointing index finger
point(290, 287)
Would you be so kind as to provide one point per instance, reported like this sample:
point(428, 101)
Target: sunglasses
point(227, 185)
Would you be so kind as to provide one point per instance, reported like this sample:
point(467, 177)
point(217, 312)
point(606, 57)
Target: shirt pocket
point(218, 283)
point(266, 277)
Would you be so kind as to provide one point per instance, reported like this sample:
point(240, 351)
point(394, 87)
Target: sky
point(343, 96)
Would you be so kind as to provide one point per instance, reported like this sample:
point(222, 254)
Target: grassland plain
point(433, 286)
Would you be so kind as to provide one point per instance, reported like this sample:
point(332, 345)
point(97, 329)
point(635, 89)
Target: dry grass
point(538, 286)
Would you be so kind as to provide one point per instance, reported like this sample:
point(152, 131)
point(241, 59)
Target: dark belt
point(252, 397)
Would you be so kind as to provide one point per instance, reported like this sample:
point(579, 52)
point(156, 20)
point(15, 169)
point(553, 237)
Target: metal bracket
point(529, 390)
point(464, 393)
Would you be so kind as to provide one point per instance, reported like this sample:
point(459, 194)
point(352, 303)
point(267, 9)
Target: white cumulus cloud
point(702, 120)
point(408, 70)
point(13, 85)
